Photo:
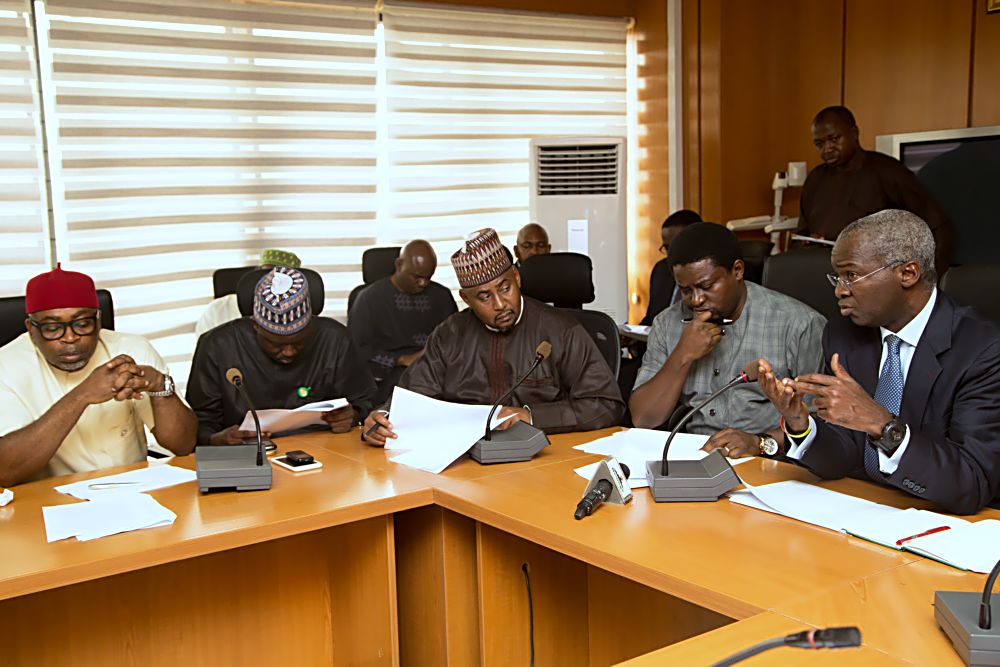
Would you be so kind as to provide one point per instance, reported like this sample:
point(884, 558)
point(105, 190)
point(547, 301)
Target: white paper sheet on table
point(636, 446)
point(145, 479)
point(6, 497)
point(813, 504)
point(432, 433)
point(281, 421)
point(99, 518)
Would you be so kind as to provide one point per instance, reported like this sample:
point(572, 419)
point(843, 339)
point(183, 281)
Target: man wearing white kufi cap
point(475, 356)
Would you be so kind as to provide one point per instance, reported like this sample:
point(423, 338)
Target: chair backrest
point(970, 286)
point(248, 283)
point(12, 315)
point(755, 253)
point(604, 331)
point(352, 297)
point(225, 281)
point(801, 273)
point(564, 279)
point(378, 263)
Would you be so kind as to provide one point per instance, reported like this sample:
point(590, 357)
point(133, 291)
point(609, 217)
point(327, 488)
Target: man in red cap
point(75, 397)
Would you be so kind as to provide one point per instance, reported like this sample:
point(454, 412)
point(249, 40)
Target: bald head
point(531, 240)
point(415, 267)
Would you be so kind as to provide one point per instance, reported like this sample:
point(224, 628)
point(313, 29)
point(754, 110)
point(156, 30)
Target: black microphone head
point(625, 470)
point(838, 637)
point(234, 377)
point(543, 350)
point(750, 371)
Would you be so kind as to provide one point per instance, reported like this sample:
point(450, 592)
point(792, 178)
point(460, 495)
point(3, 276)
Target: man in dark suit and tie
point(911, 394)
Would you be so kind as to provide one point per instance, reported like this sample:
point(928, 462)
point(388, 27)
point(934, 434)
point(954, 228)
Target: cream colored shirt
point(107, 434)
point(222, 310)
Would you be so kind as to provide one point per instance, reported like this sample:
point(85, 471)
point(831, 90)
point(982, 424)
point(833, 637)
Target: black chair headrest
point(378, 263)
point(564, 279)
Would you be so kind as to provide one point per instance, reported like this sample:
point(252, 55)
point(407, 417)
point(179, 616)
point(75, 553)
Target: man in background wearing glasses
point(76, 397)
point(910, 394)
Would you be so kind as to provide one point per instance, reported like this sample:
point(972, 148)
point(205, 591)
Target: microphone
point(846, 637)
point(972, 634)
point(542, 353)
point(235, 377)
point(748, 374)
point(607, 485)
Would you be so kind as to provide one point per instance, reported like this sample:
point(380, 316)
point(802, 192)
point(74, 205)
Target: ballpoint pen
point(110, 485)
point(376, 424)
point(932, 531)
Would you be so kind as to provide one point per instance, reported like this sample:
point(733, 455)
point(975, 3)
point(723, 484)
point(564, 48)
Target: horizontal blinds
point(24, 234)
point(193, 134)
point(467, 89)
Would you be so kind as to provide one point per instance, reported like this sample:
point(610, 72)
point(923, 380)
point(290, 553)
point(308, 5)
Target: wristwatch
point(768, 445)
point(168, 388)
point(892, 436)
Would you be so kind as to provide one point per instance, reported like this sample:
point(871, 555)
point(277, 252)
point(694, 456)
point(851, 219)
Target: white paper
point(147, 479)
point(818, 506)
point(577, 236)
point(281, 421)
point(432, 433)
point(975, 546)
point(636, 446)
point(906, 523)
point(99, 518)
point(6, 497)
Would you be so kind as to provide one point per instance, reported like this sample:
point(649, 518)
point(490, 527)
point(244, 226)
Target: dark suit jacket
point(951, 403)
point(661, 289)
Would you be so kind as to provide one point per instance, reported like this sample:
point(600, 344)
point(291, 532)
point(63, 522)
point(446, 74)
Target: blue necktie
point(889, 394)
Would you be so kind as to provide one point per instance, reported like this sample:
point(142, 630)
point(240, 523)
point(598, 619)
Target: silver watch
point(168, 388)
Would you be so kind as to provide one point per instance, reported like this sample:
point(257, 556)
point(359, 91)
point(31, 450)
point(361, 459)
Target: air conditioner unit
point(578, 195)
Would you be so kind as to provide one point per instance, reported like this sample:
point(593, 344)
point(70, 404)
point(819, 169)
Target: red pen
point(939, 529)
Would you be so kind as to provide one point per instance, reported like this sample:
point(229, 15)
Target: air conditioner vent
point(577, 170)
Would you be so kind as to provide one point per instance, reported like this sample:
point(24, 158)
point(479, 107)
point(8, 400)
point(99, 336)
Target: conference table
point(366, 562)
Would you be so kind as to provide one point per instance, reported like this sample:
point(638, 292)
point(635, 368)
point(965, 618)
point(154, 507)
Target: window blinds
point(193, 134)
point(24, 234)
point(465, 92)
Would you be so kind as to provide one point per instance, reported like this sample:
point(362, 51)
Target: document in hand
point(635, 446)
point(947, 539)
point(282, 421)
point(99, 518)
point(432, 433)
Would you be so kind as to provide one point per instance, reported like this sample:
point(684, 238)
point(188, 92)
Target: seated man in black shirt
point(393, 317)
point(288, 357)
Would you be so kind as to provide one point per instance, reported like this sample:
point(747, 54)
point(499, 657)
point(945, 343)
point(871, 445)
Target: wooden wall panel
point(986, 69)
point(781, 63)
point(907, 65)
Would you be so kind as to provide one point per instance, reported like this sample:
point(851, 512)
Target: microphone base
point(958, 615)
point(520, 442)
point(692, 481)
point(231, 468)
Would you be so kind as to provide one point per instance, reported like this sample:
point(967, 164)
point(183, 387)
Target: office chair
point(376, 263)
point(225, 281)
point(801, 274)
point(970, 286)
point(248, 283)
point(604, 331)
point(12, 315)
point(755, 253)
point(564, 279)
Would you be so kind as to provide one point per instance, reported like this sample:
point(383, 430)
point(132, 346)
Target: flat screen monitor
point(959, 169)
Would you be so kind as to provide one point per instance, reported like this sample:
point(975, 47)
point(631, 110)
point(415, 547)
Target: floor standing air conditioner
point(578, 195)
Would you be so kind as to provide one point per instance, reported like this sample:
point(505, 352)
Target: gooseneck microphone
point(972, 635)
point(542, 353)
point(596, 496)
point(985, 616)
point(748, 374)
point(235, 377)
point(846, 637)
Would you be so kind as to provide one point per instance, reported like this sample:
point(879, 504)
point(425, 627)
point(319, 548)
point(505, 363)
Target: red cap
point(59, 289)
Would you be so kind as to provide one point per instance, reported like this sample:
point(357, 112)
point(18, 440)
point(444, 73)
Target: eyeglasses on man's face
point(84, 326)
point(848, 282)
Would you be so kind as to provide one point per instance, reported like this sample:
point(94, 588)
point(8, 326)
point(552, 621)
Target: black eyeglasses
point(84, 326)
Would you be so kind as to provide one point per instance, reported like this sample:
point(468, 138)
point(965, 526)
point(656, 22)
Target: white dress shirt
point(910, 336)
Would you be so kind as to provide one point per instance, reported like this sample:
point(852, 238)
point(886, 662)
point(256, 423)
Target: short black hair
point(681, 218)
point(841, 113)
point(705, 240)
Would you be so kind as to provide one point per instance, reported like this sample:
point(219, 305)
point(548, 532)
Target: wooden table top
point(778, 574)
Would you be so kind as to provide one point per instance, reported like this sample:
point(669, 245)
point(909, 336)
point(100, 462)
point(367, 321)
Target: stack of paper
point(131, 482)
point(432, 433)
point(99, 518)
point(281, 421)
point(636, 446)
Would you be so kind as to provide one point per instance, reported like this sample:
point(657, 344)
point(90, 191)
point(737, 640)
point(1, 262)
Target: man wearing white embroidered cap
point(475, 356)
